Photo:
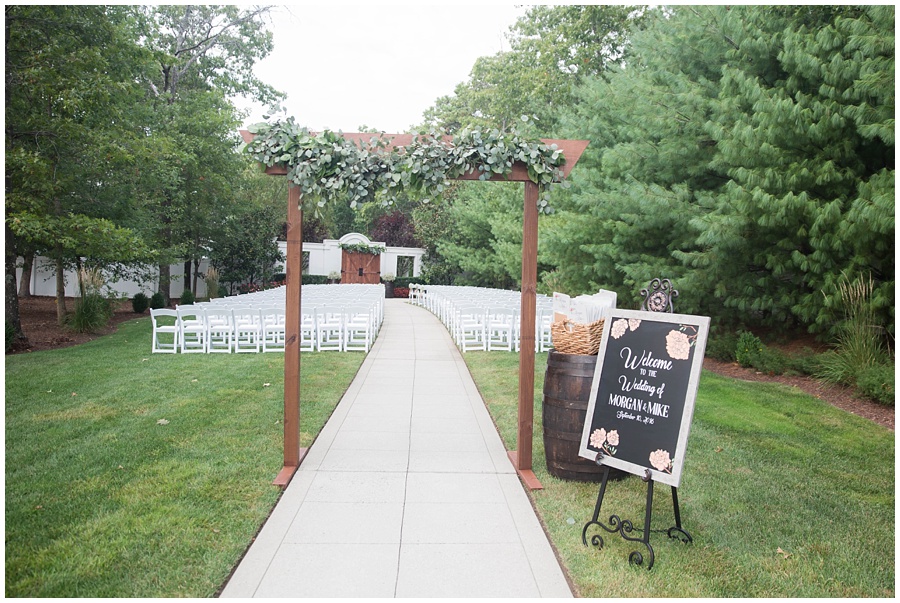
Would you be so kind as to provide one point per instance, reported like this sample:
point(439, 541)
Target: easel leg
point(677, 531)
point(597, 539)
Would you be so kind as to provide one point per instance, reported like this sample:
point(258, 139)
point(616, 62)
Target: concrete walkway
point(407, 492)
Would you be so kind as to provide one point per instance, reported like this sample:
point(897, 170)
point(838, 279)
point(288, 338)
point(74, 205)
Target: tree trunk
point(186, 278)
point(25, 281)
point(165, 277)
point(12, 300)
point(196, 275)
point(61, 311)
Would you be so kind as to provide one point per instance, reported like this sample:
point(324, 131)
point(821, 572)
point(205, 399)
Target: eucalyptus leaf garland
point(361, 248)
point(328, 167)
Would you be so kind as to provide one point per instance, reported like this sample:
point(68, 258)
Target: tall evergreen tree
point(746, 152)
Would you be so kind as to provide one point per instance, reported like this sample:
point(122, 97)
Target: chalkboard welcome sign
point(642, 396)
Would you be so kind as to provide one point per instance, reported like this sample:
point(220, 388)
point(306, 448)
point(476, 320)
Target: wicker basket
point(575, 338)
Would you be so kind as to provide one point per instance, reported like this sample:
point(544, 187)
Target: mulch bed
point(38, 316)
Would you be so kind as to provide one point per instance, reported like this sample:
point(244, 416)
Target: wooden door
point(360, 268)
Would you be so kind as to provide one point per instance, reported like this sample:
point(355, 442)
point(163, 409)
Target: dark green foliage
point(139, 303)
point(92, 313)
point(749, 348)
point(279, 277)
point(157, 301)
point(187, 298)
point(314, 279)
point(746, 153)
point(877, 382)
point(722, 345)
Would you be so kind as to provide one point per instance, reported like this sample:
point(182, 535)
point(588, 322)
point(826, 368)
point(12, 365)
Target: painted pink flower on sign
point(619, 328)
point(613, 438)
point(661, 460)
point(634, 323)
point(605, 441)
point(678, 345)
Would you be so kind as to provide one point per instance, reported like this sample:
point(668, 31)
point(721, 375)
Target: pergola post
point(294, 270)
point(522, 456)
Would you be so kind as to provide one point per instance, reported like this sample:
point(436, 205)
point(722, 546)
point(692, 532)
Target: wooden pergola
point(522, 456)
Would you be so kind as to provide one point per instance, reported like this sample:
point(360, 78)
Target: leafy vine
point(361, 248)
point(326, 166)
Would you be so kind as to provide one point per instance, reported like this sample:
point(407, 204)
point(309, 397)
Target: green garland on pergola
point(328, 165)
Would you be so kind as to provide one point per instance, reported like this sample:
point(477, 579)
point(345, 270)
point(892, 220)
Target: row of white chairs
point(342, 318)
point(484, 319)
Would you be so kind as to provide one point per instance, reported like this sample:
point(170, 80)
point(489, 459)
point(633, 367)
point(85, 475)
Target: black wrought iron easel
point(658, 297)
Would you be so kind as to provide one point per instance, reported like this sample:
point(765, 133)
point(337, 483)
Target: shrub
point(722, 346)
point(92, 312)
point(402, 292)
point(313, 279)
point(807, 363)
point(157, 301)
point(223, 292)
point(859, 342)
point(279, 277)
point(748, 349)
point(877, 382)
point(140, 303)
point(187, 298)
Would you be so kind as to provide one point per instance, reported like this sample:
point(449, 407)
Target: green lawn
point(130, 474)
point(768, 468)
point(138, 475)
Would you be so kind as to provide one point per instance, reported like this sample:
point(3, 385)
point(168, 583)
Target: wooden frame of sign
point(642, 396)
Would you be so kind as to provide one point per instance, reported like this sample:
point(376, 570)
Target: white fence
point(43, 280)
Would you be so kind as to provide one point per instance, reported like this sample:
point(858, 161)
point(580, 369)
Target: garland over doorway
point(332, 166)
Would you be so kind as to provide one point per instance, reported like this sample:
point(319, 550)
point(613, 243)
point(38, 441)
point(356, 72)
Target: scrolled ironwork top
point(658, 296)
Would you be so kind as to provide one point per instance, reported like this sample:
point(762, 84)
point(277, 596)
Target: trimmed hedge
point(313, 279)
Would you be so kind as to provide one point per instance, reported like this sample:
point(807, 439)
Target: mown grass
point(130, 474)
point(767, 468)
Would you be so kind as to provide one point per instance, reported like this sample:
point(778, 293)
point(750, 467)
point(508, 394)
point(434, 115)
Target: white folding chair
point(329, 328)
point(500, 328)
point(357, 328)
point(471, 326)
point(191, 329)
point(219, 329)
point(247, 329)
point(307, 330)
point(165, 322)
point(272, 328)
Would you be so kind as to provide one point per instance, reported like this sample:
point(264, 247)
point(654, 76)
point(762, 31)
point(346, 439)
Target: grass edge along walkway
point(131, 474)
point(784, 495)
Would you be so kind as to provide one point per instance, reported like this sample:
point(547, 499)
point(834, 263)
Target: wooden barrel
point(567, 389)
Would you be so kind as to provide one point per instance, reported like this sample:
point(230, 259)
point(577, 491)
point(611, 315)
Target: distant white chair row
point(333, 318)
point(484, 319)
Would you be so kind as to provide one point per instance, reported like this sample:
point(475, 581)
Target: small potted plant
point(333, 277)
point(388, 279)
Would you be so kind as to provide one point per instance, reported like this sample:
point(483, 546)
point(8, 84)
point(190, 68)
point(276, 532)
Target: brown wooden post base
point(287, 472)
point(526, 475)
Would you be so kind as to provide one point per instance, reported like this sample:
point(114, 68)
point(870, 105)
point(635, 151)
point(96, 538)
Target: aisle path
point(407, 492)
